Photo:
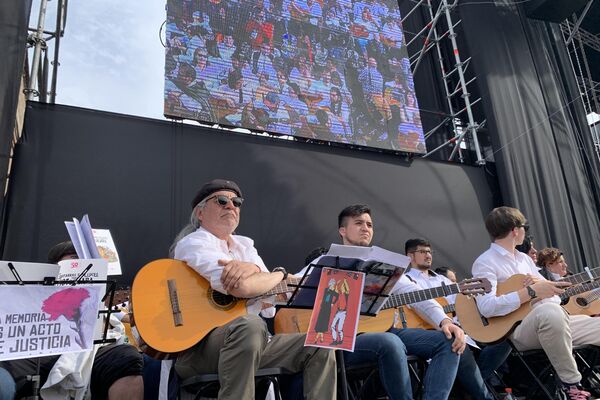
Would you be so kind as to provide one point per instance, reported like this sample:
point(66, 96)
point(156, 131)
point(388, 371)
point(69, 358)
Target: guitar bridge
point(484, 320)
point(174, 300)
point(402, 317)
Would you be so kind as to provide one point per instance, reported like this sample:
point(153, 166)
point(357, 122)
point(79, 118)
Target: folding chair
point(536, 363)
point(588, 361)
point(207, 385)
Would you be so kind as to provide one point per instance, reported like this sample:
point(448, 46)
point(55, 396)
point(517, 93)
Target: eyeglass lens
point(223, 200)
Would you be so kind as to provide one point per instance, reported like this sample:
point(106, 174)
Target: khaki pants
point(236, 350)
point(551, 328)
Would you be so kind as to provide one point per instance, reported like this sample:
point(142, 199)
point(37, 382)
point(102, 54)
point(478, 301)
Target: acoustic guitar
point(174, 307)
point(494, 329)
point(408, 318)
point(294, 320)
point(584, 304)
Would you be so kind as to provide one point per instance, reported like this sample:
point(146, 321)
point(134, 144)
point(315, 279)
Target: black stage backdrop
point(137, 177)
point(544, 152)
point(14, 16)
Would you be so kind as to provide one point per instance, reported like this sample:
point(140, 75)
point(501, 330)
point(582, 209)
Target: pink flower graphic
point(67, 303)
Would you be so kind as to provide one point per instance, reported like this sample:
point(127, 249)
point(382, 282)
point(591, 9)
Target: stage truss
point(438, 35)
point(578, 41)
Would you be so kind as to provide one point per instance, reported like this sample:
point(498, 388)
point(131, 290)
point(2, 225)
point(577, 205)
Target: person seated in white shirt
point(232, 266)
point(443, 346)
point(548, 326)
point(469, 374)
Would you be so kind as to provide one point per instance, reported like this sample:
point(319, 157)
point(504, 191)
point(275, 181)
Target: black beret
point(214, 186)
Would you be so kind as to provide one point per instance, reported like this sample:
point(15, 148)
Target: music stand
point(380, 279)
point(46, 276)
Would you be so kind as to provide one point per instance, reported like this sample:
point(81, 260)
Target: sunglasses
point(524, 226)
point(223, 200)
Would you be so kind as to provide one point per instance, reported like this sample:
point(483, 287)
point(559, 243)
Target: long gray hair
point(189, 228)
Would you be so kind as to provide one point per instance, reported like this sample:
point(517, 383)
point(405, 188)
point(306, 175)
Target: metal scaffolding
point(440, 31)
point(577, 41)
point(458, 127)
point(40, 65)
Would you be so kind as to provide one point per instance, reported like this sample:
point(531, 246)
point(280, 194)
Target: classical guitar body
point(174, 307)
point(409, 318)
point(494, 329)
point(580, 305)
point(295, 320)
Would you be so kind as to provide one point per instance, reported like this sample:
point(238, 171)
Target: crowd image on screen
point(333, 70)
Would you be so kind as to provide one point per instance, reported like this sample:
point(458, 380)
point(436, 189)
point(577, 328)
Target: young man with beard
point(469, 374)
point(444, 346)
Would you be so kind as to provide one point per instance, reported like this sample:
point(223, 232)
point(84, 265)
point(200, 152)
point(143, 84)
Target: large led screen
point(333, 70)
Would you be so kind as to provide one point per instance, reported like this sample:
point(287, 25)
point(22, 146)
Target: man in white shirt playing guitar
point(548, 326)
point(232, 266)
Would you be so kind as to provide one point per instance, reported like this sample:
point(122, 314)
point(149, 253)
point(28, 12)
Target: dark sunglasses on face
point(524, 226)
point(222, 200)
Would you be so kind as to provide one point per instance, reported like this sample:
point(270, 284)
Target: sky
point(111, 57)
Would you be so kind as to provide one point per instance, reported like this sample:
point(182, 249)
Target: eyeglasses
point(423, 252)
point(524, 226)
point(223, 200)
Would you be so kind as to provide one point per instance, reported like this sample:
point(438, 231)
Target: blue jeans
point(470, 378)
point(388, 351)
point(7, 385)
point(492, 357)
point(443, 365)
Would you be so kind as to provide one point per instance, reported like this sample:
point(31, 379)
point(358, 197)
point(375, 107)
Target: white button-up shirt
point(202, 250)
point(497, 265)
point(429, 279)
point(430, 310)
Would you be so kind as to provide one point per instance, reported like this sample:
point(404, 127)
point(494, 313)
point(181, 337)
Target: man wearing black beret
point(231, 265)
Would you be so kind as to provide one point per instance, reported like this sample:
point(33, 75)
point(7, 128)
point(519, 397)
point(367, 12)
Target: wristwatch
point(531, 292)
point(283, 271)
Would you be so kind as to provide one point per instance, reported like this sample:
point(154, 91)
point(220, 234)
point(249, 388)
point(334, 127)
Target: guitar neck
point(581, 288)
point(401, 299)
point(582, 277)
point(282, 287)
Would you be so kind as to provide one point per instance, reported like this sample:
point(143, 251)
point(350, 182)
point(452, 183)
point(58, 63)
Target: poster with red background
point(334, 320)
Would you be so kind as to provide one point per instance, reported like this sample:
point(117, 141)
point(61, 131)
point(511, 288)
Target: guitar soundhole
point(220, 300)
point(581, 302)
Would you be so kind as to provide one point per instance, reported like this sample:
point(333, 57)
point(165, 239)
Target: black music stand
point(52, 281)
point(380, 279)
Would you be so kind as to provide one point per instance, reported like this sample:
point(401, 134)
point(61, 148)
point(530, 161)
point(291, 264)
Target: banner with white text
point(47, 320)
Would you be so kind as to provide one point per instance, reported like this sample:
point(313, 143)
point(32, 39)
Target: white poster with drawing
point(47, 320)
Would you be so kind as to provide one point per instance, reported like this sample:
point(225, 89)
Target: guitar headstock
point(475, 286)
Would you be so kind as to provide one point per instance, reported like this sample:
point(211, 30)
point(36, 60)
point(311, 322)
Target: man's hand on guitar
point(529, 280)
point(546, 289)
point(234, 271)
point(450, 330)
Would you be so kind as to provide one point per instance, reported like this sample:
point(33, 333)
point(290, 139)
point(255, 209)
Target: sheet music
point(382, 267)
point(373, 253)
